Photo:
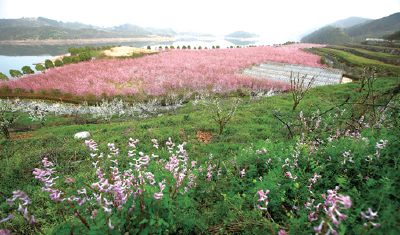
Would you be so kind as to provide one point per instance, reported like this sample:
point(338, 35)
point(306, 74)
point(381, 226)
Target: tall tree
point(27, 70)
point(15, 73)
point(48, 64)
point(40, 67)
point(3, 77)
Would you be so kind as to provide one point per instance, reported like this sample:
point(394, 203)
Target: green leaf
point(143, 221)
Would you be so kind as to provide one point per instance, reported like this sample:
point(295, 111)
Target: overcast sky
point(265, 17)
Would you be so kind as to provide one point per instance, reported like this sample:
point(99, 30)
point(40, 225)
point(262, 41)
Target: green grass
point(360, 62)
point(371, 46)
point(378, 54)
point(253, 123)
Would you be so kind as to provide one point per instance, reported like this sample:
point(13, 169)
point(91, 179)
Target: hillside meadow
point(328, 166)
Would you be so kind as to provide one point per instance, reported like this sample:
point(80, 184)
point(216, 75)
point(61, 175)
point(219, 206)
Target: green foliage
point(148, 47)
point(217, 47)
point(75, 59)
point(172, 47)
point(104, 96)
point(98, 48)
point(15, 73)
point(40, 67)
point(254, 142)
point(66, 60)
point(118, 97)
point(42, 91)
point(27, 70)
point(48, 64)
point(178, 47)
point(90, 96)
point(3, 77)
point(199, 48)
point(5, 89)
point(68, 95)
point(58, 63)
point(18, 90)
point(328, 35)
point(84, 56)
point(55, 92)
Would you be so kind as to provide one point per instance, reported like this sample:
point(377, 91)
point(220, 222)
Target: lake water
point(15, 57)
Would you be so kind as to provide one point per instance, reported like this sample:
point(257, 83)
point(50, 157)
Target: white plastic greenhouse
point(282, 72)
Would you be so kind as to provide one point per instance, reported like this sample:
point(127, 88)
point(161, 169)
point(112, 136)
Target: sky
point(287, 18)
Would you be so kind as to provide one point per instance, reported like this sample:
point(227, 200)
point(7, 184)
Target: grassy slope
point(378, 54)
point(253, 122)
point(359, 61)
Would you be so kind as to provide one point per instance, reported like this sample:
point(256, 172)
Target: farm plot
point(172, 71)
point(283, 72)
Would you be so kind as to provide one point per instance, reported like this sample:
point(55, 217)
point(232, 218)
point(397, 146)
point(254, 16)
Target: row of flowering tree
point(177, 70)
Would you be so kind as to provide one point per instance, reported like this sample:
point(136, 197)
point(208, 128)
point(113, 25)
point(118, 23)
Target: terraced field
point(355, 57)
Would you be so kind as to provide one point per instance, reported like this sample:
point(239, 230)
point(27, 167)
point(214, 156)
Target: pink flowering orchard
point(171, 70)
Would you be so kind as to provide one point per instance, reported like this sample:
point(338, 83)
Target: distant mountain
point(43, 28)
point(342, 33)
point(376, 28)
point(51, 32)
point(349, 22)
point(328, 35)
point(40, 21)
point(242, 34)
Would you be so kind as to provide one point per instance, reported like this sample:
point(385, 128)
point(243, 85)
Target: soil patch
point(126, 51)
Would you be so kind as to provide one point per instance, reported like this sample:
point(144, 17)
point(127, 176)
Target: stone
point(82, 135)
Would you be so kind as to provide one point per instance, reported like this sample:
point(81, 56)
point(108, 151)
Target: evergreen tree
point(27, 70)
point(40, 67)
point(48, 64)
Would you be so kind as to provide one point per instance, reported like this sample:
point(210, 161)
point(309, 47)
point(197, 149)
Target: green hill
point(376, 28)
point(395, 36)
point(242, 34)
point(349, 22)
point(40, 21)
point(43, 28)
point(328, 35)
point(51, 32)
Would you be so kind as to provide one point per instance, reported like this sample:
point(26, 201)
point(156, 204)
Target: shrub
point(55, 92)
point(75, 59)
point(58, 63)
point(68, 95)
point(188, 47)
point(66, 60)
point(199, 47)
point(15, 73)
point(48, 64)
point(18, 90)
point(178, 47)
point(98, 48)
point(40, 67)
point(77, 97)
point(213, 47)
point(172, 47)
point(27, 70)
point(118, 97)
point(3, 77)
point(103, 48)
point(217, 47)
point(166, 47)
point(148, 47)
point(90, 96)
point(108, 47)
point(42, 91)
point(323, 61)
point(5, 89)
point(103, 96)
